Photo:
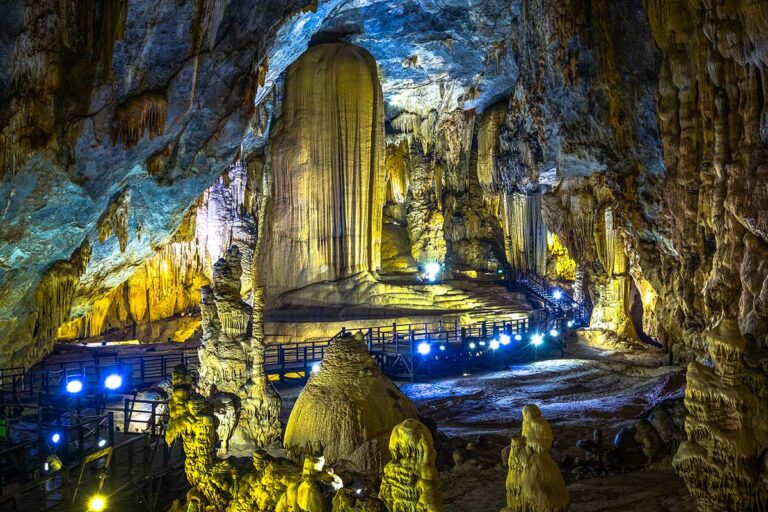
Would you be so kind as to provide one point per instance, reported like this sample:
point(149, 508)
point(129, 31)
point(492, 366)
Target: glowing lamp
point(55, 438)
point(442, 347)
point(315, 367)
point(97, 503)
point(424, 348)
point(74, 386)
point(570, 323)
point(46, 466)
point(472, 345)
point(102, 443)
point(554, 333)
point(557, 294)
point(359, 491)
point(504, 339)
point(113, 382)
point(518, 337)
point(537, 339)
point(494, 344)
point(431, 270)
point(482, 343)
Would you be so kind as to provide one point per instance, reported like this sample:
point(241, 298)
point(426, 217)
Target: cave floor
point(588, 389)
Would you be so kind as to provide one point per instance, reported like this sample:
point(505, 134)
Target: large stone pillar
point(327, 152)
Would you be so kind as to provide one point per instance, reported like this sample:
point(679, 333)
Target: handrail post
point(370, 339)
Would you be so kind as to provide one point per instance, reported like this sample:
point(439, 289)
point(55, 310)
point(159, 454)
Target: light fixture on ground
point(518, 337)
point(102, 443)
point(113, 382)
point(431, 271)
point(570, 323)
point(472, 345)
point(557, 294)
point(74, 386)
point(537, 339)
point(504, 339)
point(55, 438)
point(315, 367)
point(442, 347)
point(97, 503)
point(424, 348)
point(554, 333)
point(494, 344)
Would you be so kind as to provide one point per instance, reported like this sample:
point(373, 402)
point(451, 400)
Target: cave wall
point(147, 100)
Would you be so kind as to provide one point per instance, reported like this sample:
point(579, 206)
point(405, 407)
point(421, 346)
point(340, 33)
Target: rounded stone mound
point(347, 410)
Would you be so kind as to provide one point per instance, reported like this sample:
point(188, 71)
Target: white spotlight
point(55, 438)
point(557, 294)
point(537, 339)
point(504, 339)
point(102, 443)
point(431, 271)
point(570, 323)
point(518, 337)
point(424, 348)
point(442, 347)
point(554, 333)
point(113, 382)
point(315, 367)
point(472, 345)
point(74, 386)
point(494, 345)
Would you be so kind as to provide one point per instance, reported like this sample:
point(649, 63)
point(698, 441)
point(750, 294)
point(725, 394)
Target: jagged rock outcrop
point(534, 482)
point(347, 409)
point(326, 152)
point(232, 359)
point(411, 482)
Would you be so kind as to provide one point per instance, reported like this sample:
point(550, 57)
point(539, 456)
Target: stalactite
point(327, 156)
point(139, 115)
point(525, 232)
point(397, 171)
point(115, 219)
point(425, 218)
point(487, 147)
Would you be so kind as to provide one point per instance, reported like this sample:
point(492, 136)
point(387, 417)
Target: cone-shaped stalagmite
point(327, 151)
point(347, 410)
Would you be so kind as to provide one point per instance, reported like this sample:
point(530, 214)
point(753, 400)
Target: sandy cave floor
point(588, 389)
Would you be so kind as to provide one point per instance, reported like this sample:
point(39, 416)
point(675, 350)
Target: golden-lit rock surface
point(534, 482)
point(327, 160)
point(347, 409)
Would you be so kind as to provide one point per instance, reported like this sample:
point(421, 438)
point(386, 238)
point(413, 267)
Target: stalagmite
point(327, 151)
point(425, 219)
point(719, 461)
point(411, 482)
point(232, 358)
point(525, 232)
point(347, 409)
point(534, 482)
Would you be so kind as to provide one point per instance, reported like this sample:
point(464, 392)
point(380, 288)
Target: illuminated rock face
point(347, 409)
point(327, 150)
point(534, 482)
point(719, 461)
point(411, 482)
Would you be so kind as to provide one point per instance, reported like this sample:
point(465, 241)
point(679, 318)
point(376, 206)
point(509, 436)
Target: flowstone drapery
point(347, 409)
point(411, 482)
point(719, 460)
point(534, 482)
point(232, 360)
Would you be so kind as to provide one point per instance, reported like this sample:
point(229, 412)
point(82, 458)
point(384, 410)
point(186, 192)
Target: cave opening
point(332, 256)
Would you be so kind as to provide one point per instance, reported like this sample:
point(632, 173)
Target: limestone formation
point(534, 482)
point(347, 409)
point(719, 461)
point(327, 160)
point(313, 491)
point(411, 482)
point(232, 359)
point(525, 232)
